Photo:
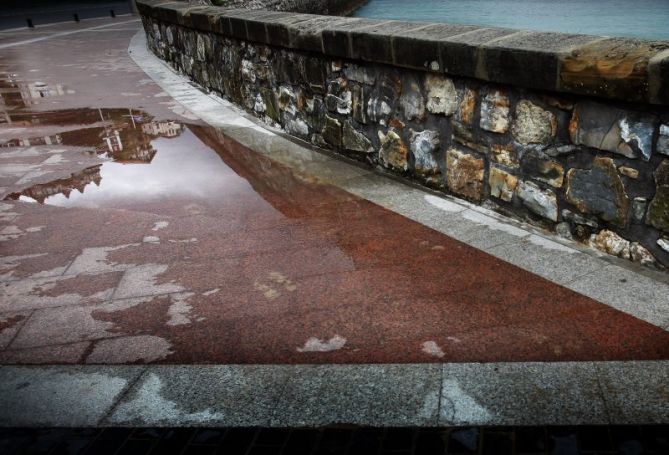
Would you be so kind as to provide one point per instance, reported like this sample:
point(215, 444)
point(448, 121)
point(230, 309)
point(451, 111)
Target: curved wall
point(568, 132)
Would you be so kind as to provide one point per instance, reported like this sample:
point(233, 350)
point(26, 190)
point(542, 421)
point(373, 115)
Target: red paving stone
point(216, 254)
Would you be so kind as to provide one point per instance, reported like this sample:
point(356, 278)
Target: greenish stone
point(332, 131)
point(658, 210)
point(356, 141)
point(271, 104)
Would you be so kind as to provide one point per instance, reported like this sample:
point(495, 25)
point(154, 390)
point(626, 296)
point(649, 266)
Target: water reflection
point(18, 95)
point(175, 165)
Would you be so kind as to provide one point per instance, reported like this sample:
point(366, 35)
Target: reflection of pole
point(133, 119)
point(133, 7)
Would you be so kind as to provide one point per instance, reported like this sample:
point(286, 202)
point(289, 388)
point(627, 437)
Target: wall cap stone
point(622, 69)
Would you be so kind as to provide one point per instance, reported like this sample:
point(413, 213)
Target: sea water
point(630, 18)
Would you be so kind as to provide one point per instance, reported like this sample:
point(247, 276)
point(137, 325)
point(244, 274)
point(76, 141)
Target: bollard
point(76, 17)
point(30, 23)
point(112, 13)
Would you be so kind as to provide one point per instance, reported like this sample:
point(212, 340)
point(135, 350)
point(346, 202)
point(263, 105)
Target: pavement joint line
point(121, 396)
point(607, 406)
point(18, 331)
point(59, 34)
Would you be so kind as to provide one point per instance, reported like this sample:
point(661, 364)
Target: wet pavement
point(162, 240)
point(133, 233)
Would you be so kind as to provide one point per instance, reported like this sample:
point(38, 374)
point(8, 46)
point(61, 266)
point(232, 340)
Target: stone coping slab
point(402, 395)
point(614, 68)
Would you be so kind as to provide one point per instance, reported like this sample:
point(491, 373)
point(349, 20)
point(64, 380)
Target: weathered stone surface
point(271, 104)
point(383, 99)
point(615, 130)
point(442, 98)
point(579, 219)
point(639, 206)
point(663, 243)
point(560, 150)
point(504, 154)
point(412, 102)
point(467, 108)
point(564, 230)
point(542, 202)
point(332, 131)
point(495, 112)
point(640, 254)
point(502, 184)
point(359, 74)
point(464, 174)
point(359, 104)
point(628, 172)
point(533, 125)
point(287, 99)
point(611, 243)
point(538, 165)
point(340, 104)
point(295, 126)
point(663, 140)
point(658, 210)
point(248, 71)
point(393, 152)
point(259, 105)
point(424, 146)
point(314, 109)
point(599, 191)
point(356, 141)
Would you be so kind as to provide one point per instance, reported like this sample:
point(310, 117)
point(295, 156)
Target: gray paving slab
point(635, 392)
point(549, 259)
point(219, 395)
point(521, 394)
point(387, 395)
point(64, 396)
point(627, 291)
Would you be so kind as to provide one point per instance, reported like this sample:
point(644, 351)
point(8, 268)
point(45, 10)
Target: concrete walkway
point(148, 222)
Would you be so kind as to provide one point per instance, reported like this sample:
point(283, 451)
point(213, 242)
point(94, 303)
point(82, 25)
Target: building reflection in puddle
point(179, 166)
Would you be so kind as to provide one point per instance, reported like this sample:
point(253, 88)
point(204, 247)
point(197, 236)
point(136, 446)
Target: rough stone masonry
point(586, 155)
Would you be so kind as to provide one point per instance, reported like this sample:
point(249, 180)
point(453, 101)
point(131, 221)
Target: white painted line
point(59, 34)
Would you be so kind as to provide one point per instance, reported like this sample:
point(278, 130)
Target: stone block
point(412, 101)
point(658, 210)
point(495, 111)
point(611, 243)
point(442, 97)
point(424, 147)
point(540, 167)
point(355, 140)
point(663, 140)
point(373, 43)
point(383, 98)
point(420, 48)
point(464, 174)
point(332, 132)
point(599, 191)
point(337, 37)
point(658, 78)
point(540, 201)
point(502, 184)
point(459, 53)
point(359, 103)
point(467, 107)
point(610, 68)
point(604, 127)
point(533, 124)
point(393, 151)
point(256, 27)
point(307, 35)
point(278, 30)
point(271, 104)
point(529, 59)
point(504, 154)
point(361, 74)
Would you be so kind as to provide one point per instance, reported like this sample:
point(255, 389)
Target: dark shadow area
point(21, 14)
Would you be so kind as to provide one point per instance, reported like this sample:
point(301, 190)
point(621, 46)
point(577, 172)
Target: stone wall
point(567, 132)
point(328, 7)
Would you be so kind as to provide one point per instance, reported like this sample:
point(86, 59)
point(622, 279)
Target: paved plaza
point(166, 260)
